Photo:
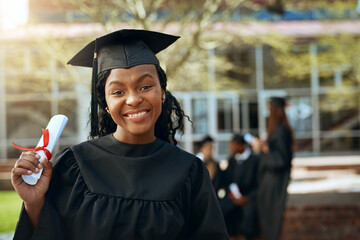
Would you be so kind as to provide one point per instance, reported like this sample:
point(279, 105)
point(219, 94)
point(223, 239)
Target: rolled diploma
point(248, 138)
point(55, 126)
point(234, 188)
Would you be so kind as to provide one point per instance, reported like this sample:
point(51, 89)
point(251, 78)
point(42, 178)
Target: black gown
point(106, 189)
point(274, 176)
point(240, 220)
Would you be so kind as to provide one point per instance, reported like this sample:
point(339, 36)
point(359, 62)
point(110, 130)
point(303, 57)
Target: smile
point(137, 114)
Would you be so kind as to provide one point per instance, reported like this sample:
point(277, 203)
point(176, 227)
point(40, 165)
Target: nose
point(134, 99)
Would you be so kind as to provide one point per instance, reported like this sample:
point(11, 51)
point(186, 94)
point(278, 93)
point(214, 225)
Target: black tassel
point(94, 132)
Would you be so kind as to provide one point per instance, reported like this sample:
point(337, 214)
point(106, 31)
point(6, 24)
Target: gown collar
point(132, 150)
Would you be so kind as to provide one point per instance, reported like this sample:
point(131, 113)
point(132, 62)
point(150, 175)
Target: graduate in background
point(205, 153)
point(239, 171)
point(276, 154)
point(130, 181)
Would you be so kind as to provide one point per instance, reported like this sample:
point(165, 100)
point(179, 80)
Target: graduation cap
point(121, 49)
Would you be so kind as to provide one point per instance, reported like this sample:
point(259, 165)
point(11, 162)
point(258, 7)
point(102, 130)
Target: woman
point(130, 181)
point(274, 169)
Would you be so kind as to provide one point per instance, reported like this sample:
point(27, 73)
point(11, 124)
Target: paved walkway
point(325, 174)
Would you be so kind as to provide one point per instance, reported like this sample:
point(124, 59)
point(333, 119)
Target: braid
point(171, 118)
point(106, 123)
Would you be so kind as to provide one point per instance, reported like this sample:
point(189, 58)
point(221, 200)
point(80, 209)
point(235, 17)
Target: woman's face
point(134, 100)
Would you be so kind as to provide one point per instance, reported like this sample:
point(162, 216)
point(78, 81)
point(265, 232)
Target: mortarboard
point(121, 49)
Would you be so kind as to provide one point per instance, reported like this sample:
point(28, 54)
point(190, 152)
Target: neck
point(134, 139)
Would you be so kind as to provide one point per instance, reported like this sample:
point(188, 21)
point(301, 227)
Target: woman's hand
point(238, 201)
point(27, 164)
point(32, 195)
point(259, 146)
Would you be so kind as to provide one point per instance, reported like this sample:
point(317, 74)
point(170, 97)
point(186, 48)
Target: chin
point(138, 132)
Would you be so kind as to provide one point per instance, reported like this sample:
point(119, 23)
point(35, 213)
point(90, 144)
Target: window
point(225, 115)
point(25, 119)
point(299, 113)
point(200, 116)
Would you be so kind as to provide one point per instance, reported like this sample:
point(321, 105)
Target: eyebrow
point(140, 79)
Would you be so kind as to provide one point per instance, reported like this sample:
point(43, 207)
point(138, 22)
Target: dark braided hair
point(171, 118)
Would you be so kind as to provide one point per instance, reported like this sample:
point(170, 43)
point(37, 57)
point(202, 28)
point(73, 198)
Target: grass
point(10, 206)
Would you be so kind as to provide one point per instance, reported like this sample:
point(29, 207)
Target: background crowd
point(251, 184)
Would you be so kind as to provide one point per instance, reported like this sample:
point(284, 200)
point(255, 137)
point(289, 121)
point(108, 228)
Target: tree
point(189, 19)
point(187, 61)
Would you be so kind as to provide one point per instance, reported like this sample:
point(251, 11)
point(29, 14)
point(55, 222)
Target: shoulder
point(62, 157)
point(65, 168)
point(178, 151)
point(182, 160)
point(67, 156)
point(281, 132)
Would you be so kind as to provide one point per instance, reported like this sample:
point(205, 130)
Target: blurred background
point(232, 56)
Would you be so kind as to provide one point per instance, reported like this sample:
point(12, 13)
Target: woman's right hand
point(28, 163)
point(259, 146)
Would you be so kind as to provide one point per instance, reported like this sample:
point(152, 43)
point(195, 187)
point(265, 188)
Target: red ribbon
point(46, 142)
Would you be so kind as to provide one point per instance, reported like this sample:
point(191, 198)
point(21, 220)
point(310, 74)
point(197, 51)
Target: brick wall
point(5, 174)
point(327, 216)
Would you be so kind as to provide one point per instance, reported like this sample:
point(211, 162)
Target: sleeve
point(49, 226)
point(280, 153)
point(50, 229)
point(205, 218)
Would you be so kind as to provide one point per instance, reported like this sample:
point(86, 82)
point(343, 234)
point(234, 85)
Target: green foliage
point(10, 206)
point(186, 62)
point(293, 60)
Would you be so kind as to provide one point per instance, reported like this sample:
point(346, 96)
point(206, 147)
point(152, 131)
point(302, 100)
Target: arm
point(206, 220)
point(38, 221)
point(280, 153)
point(32, 195)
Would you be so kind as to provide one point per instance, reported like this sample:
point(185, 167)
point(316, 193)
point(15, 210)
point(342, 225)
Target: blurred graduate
point(240, 172)
point(276, 155)
point(205, 153)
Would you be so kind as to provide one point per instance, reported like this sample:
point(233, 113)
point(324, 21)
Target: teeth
point(137, 114)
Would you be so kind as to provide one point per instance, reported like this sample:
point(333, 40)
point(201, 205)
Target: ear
point(163, 95)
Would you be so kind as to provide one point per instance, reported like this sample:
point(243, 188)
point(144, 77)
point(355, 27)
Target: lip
point(137, 115)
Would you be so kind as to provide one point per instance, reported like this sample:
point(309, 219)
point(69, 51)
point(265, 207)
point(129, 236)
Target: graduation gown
point(240, 220)
point(274, 176)
point(106, 189)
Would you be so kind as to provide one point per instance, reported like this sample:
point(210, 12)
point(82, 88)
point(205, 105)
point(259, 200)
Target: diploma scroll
point(249, 138)
point(55, 127)
point(234, 188)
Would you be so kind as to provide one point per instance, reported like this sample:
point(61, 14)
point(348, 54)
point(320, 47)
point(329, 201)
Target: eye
point(117, 92)
point(146, 87)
